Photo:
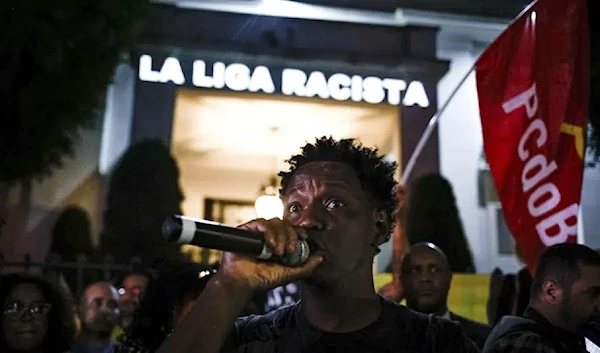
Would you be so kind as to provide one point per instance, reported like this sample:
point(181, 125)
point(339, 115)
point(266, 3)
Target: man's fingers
point(281, 236)
point(313, 262)
point(292, 238)
point(262, 225)
point(309, 266)
point(302, 233)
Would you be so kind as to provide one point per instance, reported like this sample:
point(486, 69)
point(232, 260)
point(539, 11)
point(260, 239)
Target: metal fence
point(77, 271)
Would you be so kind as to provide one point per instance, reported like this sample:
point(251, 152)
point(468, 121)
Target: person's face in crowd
point(25, 317)
point(583, 300)
point(426, 279)
point(326, 198)
point(100, 309)
point(133, 287)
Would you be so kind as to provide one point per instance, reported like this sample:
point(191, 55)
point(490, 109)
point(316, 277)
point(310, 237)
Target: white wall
point(590, 205)
point(31, 216)
point(118, 117)
point(53, 190)
point(461, 143)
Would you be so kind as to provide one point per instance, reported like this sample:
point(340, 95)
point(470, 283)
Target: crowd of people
point(339, 196)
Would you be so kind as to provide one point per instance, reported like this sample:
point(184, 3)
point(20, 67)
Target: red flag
point(533, 87)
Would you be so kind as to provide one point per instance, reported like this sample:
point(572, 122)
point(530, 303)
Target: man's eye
point(293, 208)
point(15, 306)
point(334, 204)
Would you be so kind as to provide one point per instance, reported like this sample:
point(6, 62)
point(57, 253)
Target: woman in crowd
point(166, 302)
point(35, 317)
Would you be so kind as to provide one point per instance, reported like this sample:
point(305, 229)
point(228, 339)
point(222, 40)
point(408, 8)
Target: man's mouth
point(316, 248)
point(314, 245)
point(28, 332)
point(104, 321)
point(127, 305)
point(426, 293)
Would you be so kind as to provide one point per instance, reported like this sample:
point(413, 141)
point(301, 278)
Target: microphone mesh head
point(171, 229)
point(299, 256)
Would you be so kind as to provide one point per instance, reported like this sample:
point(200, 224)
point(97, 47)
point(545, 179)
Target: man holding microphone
point(338, 195)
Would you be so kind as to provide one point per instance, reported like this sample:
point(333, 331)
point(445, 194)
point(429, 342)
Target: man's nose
point(425, 276)
point(26, 316)
point(312, 218)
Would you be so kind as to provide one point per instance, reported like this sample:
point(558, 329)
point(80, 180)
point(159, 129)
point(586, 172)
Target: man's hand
point(254, 275)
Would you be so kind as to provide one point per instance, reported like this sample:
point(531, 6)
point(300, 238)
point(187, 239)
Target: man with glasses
point(35, 317)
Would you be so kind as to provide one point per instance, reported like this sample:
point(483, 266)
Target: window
point(504, 236)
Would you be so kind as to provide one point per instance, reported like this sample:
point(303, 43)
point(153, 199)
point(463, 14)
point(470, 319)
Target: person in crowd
point(565, 295)
point(509, 293)
point(99, 314)
point(426, 279)
point(339, 196)
point(131, 288)
point(166, 303)
point(35, 316)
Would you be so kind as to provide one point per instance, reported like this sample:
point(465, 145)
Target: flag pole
point(433, 122)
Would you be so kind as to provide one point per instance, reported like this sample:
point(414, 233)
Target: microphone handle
point(218, 236)
point(183, 230)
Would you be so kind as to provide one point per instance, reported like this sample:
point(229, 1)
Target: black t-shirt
point(397, 330)
point(282, 296)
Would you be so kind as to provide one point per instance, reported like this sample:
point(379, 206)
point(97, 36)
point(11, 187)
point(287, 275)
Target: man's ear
point(552, 293)
point(383, 225)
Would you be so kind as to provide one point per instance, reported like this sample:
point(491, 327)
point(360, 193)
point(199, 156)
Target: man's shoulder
point(262, 327)
point(476, 331)
point(471, 324)
point(436, 332)
point(518, 334)
point(423, 321)
point(462, 319)
point(520, 342)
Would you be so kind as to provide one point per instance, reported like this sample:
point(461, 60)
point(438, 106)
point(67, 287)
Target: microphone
point(206, 234)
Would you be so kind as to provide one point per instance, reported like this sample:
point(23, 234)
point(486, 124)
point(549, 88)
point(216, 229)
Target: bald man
point(426, 279)
point(99, 315)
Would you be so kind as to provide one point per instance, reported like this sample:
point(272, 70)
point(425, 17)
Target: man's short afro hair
point(375, 174)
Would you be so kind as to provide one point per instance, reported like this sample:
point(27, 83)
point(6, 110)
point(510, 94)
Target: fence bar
point(67, 265)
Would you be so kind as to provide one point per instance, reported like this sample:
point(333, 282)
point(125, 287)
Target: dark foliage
point(144, 191)
point(72, 237)
point(432, 216)
point(56, 60)
point(72, 234)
